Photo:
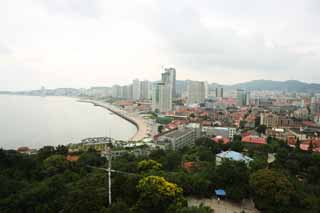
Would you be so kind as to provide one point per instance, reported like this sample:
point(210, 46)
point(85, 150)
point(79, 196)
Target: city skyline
point(86, 43)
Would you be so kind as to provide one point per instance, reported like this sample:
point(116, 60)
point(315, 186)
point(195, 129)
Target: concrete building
point(146, 90)
point(219, 92)
point(126, 92)
point(269, 119)
point(197, 129)
point(206, 90)
point(196, 92)
point(169, 77)
point(116, 91)
point(315, 105)
point(227, 132)
point(136, 89)
point(161, 97)
point(178, 139)
point(243, 97)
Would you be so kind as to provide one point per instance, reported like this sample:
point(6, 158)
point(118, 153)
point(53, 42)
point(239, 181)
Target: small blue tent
point(220, 192)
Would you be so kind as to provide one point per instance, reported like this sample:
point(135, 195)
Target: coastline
point(137, 121)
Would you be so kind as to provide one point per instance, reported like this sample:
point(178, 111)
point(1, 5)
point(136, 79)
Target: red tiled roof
point(171, 126)
point(72, 158)
point(309, 123)
point(23, 149)
point(219, 139)
point(254, 139)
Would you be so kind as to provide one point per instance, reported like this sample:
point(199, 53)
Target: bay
point(35, 121)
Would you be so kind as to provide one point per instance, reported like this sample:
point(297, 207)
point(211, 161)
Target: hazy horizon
point(84, 43)
point(222, 84)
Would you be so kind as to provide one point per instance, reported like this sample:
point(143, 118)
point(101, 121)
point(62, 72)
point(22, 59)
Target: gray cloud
point(4, 49)
point(97, 42)
point(86, 8)
point(191, 44)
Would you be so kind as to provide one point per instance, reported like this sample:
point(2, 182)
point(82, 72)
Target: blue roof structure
point(236, 156)
point(220, 192)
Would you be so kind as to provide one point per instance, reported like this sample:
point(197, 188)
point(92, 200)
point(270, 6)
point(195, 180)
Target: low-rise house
point(26, 150)
point(252, 139)
point(72, 158)
point(305, 144)
point(303, 133)
point(232, 155)
point(277, 133)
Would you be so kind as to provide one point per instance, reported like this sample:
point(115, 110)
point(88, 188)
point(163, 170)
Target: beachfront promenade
point(138, 121)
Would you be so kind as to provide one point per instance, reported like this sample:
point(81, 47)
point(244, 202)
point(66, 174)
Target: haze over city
point(83, 43)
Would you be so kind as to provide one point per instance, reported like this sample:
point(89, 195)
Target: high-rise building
point(219, 92)
point(206, 90)
point(196, 92)
point(161, 97)
point(169, 77)
point(243, 97)
point(315, 105)
point(145, 90)
point(125, 92)
point(130, 91)
point(116, 91)
point(136, 89)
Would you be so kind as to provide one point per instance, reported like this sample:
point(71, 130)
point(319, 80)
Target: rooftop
point(236, 156)
point(254, 139)
point(178, 133)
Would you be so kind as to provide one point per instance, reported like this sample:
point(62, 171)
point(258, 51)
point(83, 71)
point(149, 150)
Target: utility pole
point(109, 174)
point(109, 170)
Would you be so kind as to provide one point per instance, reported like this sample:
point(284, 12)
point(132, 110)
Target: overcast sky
point(83, 43)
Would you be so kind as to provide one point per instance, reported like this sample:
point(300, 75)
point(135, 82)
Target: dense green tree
point(172, 160)
point(87, 195)
point(146, 165)
point(46, 152)
point(261, 129)
point(117, 207)
point(91, 158)
point(61, 150)
point(258, 163)
point(158, 195)
point(55, 164)
point(233, 176)
point(272, 190)
point(160, 128)
point(237, 146)
point(206, 155)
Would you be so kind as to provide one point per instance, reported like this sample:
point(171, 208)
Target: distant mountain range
point(287, 86)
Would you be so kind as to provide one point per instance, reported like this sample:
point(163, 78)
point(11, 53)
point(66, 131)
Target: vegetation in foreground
point(47, 182)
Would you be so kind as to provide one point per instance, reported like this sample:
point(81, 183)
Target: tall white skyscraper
point(161, 97)
point(206, 90)
point(146, 90)
point(169, 77)
point(116, 91)
point(136, 89)
point(196, 92)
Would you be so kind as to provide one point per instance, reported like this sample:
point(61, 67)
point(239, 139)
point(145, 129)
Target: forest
point(160, 182)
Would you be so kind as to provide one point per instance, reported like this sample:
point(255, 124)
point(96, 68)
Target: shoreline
point(138, 122)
